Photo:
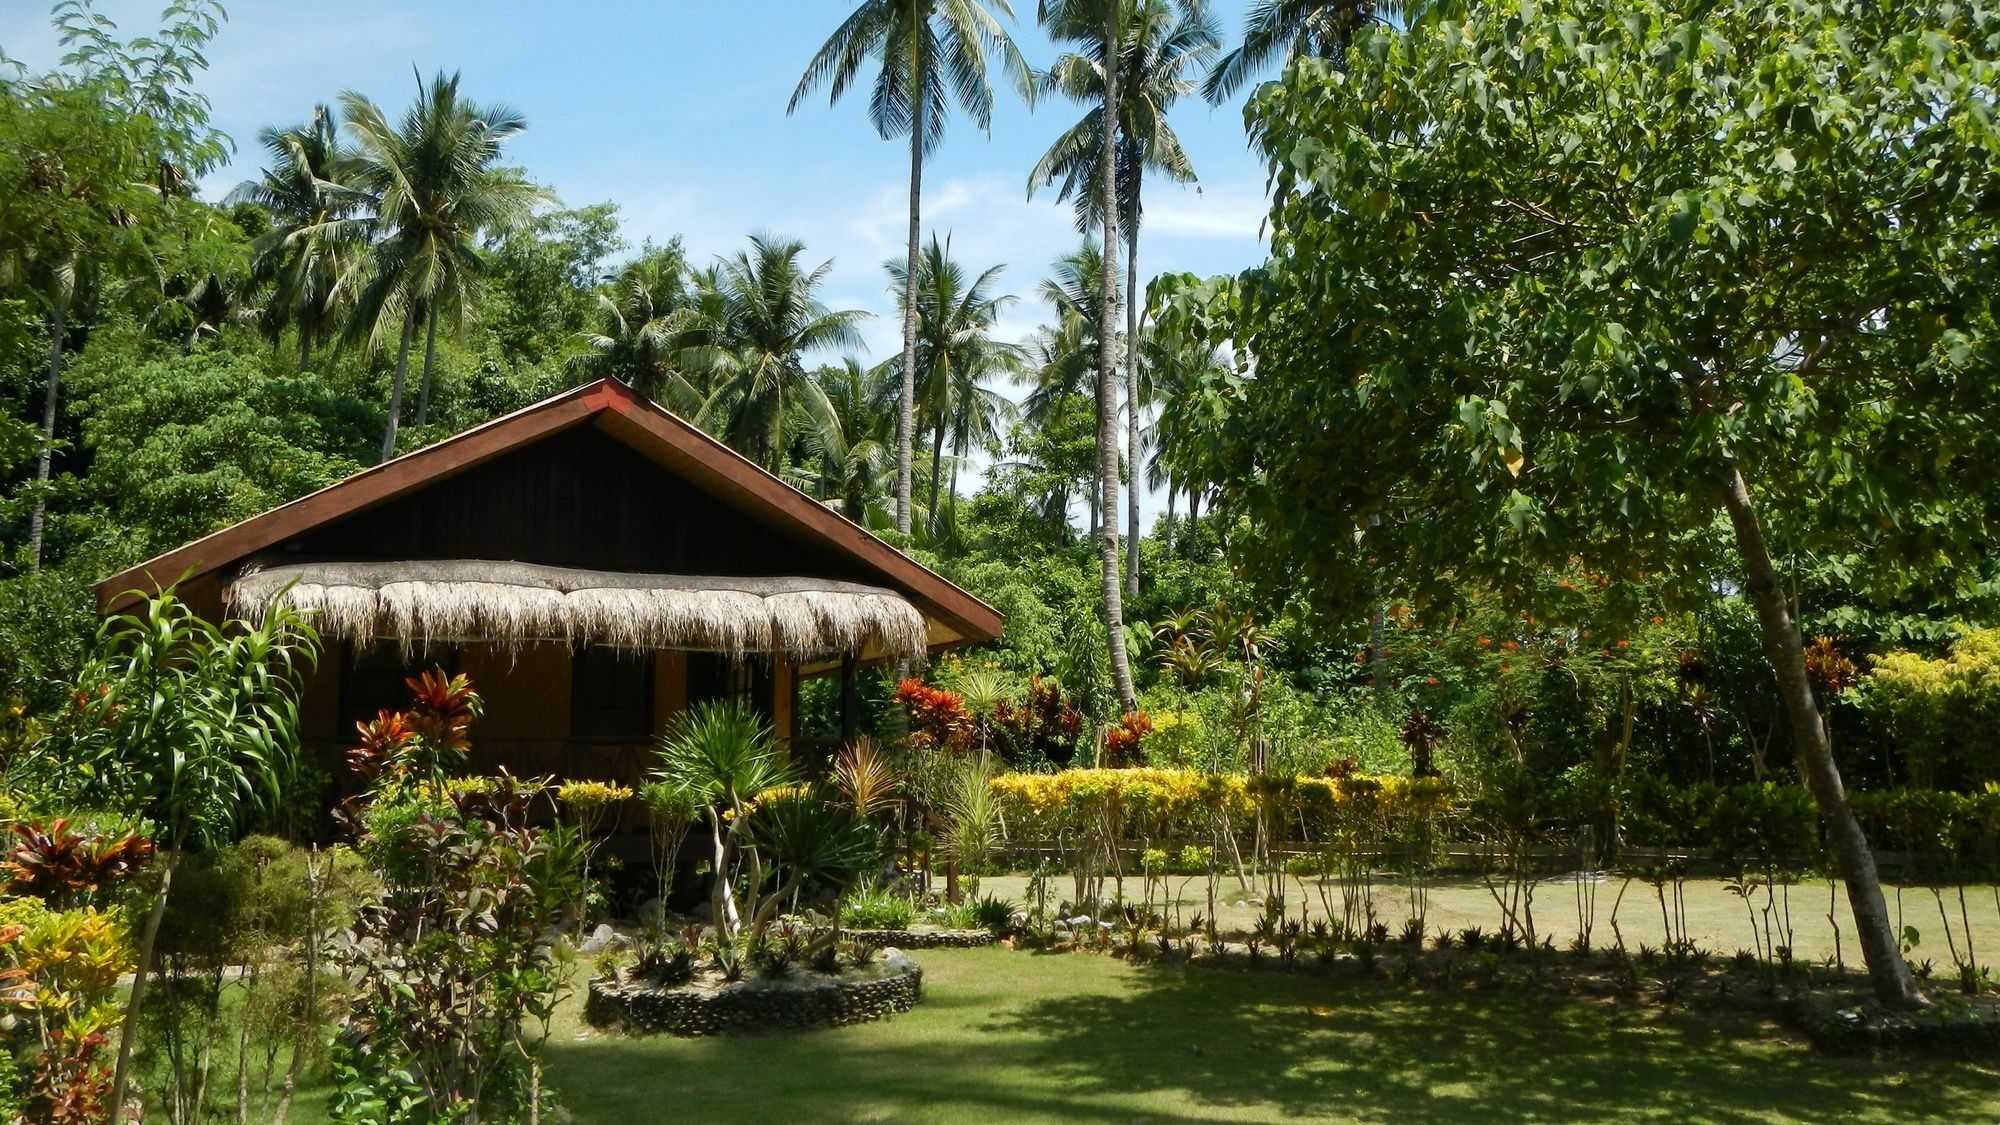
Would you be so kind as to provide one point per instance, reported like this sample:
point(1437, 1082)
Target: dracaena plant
point(188, 723)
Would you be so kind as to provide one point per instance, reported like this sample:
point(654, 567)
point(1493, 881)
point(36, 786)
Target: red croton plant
point(60, 866)
point(437, 726)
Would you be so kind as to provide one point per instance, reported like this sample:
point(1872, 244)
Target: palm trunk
point(129, 1034)
point(937, 473)
point(1785, 649)
point(305, 349)
point(38, 519)
point(1167, 538)
point(955, 459)
point(396, 385)
point(1194, 515)
point(1107, 375)
point(1132, 402)
point(430, 357)
point(906, 410)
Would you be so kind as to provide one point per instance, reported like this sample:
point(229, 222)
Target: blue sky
point(675, 110)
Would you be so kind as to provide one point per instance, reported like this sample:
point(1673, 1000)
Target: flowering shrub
point(1041, 730)
point(939, 719)
point(1122, 742)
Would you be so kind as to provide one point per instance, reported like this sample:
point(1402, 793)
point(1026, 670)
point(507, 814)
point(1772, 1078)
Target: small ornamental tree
point(186, 723)
point(1684, 294)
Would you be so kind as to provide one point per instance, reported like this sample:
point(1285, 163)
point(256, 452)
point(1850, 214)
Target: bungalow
point(594, 563)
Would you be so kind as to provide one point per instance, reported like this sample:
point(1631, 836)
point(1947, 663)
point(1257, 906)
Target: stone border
point(1852, 1026)
point(922, 939)
point(756, 1005)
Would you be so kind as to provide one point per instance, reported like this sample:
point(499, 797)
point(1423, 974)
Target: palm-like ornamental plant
point(770, 835)
point(927, 53)
point(649, 320)
point(436, 189)
point(956, 355)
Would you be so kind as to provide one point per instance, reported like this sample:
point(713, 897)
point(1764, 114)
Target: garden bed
point(709, 1005)
point(1854, 1024)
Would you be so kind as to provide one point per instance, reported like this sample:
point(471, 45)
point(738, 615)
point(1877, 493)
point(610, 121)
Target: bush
point(1944, 714)
point(874, 907)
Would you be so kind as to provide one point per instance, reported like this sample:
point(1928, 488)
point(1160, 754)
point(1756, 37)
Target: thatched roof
point(427, 602)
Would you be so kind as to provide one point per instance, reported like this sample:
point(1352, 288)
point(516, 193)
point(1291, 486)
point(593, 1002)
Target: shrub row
point(1940, 833)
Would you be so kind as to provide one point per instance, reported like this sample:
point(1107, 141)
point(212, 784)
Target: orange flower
point(1511, 646)
point(1485, 642)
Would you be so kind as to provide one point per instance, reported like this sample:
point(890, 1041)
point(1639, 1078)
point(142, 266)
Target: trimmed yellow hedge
point(1176, 803)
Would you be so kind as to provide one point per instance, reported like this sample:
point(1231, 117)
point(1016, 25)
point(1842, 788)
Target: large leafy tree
point(926, 54)
point(93, 158)
point(436, 187)
point(1164, 43)
point(956, 355)
point(1678, 295)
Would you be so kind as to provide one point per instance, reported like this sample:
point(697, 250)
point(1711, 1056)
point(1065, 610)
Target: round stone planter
point(922, 939)
point(804, 1000)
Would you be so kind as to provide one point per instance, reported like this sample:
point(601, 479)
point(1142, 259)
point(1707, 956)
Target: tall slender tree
point(927, 54)
point(1165, 42)
point(436, 187)
point(1100, 22)
point(956, 355)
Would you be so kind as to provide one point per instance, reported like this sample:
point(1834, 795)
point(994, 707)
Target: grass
point(1011, 1036)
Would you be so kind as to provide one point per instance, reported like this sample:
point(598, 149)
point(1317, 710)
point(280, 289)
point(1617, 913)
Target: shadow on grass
point(1309, 1046)
point(1005, 1037)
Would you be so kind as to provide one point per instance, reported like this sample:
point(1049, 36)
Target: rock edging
point(921, 939)
point(756, 1005)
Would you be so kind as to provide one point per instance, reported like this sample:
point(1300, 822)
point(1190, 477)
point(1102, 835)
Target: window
point(374, 679)
point(611, 694)
point(718, 676)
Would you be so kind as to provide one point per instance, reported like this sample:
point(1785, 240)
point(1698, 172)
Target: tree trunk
point(937, 474)
point(430, 357)
point(1785, 649)
point(129, 1034)
point(305, 349)
point(396, 384)
point(1194, 514)
point(1107, 375)
point(1132, 402)
point(44, 460)
point(906, 409)
point(1167, 536)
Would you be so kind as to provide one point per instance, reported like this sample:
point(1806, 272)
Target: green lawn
point(1007, 1036)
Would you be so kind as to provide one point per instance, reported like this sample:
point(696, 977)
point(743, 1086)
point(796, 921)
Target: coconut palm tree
point(650, 317)
point(1174, 366)
point(435, 189)
point(848, 462)
point(927, 53)
point(768, 317)
point(1319, 28)
point(1164, 43)
point(1101, 22)
point(956, 354)
point(307, 262)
